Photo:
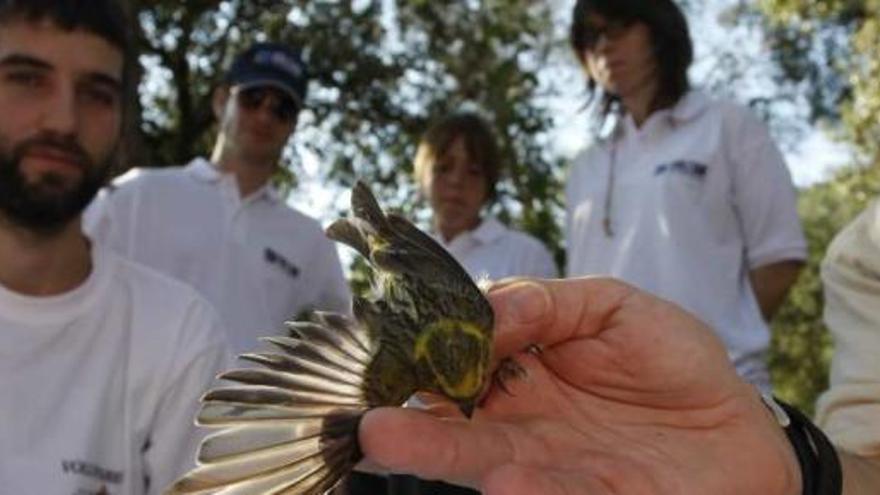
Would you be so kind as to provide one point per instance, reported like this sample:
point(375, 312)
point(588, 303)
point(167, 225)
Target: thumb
point(547, 312)
point(415, 442)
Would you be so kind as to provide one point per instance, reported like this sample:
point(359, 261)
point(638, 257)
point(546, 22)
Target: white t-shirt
point(849, 412)
point(258, 261)
point(494, 251)
point(99, 386)
point(701, 195)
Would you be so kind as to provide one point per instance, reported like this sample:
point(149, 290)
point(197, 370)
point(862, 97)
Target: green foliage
point(830, 46)
point(801, 348)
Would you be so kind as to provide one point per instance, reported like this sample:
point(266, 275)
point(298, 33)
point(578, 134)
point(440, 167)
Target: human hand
point(630, 395)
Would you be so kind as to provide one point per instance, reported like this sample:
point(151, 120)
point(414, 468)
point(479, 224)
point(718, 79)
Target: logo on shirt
point(696, 170)
point(101, 491)
point(274, 258)
point(92, 471)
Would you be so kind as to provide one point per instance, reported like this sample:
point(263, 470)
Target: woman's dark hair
point(673, 49)
point(104, 18)
point(479, 142)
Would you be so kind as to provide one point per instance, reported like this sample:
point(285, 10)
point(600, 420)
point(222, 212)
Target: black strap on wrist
point(820, 466)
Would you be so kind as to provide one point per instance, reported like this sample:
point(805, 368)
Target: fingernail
point(524, 302)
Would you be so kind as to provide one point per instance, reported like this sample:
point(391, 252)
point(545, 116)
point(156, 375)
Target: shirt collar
point(487, 231)
point(689, 107)
point(205, 171)
point(490, 229)
point(62, 308)
point(270, 192)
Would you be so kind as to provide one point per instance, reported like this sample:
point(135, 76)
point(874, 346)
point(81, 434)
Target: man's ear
point(219, 99)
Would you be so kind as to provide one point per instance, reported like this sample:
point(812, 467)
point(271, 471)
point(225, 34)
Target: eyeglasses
point(282, 106)
point(612, 30)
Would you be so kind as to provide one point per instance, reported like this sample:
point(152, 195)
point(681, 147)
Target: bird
point(290, 425)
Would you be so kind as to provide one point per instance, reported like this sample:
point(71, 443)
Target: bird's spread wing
point(291, 425)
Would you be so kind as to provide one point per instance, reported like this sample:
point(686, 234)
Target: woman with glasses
point(681, 194)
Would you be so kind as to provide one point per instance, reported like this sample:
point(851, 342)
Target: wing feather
point(290, 426)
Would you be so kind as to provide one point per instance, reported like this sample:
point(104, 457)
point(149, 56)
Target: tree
point(830, 47)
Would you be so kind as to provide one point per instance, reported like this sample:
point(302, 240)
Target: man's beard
point(47, 205)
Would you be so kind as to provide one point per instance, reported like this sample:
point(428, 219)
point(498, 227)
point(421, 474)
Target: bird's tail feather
point(368, 220)
point(290, 427)
point(365, 207)
point(350, 232)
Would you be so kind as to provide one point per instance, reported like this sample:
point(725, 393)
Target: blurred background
point(381, 69)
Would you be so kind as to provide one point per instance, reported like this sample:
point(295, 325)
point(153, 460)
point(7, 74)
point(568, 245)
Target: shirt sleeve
point(105, 219)
point(849, 412)
point(174, 438)
point(764, 196)
point(98, 221)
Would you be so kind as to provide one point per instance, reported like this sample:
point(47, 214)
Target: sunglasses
point(283, 107)
point(612, 30)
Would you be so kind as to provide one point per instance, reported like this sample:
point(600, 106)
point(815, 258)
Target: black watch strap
point(820, 465)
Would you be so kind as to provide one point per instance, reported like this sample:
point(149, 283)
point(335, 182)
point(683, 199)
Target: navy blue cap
point(271, 64)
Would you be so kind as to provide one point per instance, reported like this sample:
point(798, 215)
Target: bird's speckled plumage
point(291, 426)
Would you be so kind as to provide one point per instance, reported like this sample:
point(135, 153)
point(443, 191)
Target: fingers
point(546, 312)
point(616, 336)
point(413, 442)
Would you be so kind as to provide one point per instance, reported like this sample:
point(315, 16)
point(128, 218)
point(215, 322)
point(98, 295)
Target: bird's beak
point(467, 409)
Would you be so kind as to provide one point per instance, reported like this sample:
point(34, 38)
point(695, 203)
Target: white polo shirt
point(257, 260)
point(494, 251)
point(99, 386)
point(701, 196)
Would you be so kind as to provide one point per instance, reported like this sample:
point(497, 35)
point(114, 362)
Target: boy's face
point(61, 102)
point(455, 186)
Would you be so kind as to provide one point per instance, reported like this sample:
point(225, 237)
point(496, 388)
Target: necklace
point(607, 225)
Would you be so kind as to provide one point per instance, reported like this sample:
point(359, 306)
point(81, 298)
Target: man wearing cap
point(220, 225)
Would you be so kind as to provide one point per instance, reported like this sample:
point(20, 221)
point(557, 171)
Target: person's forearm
point(861, 475)
point(771, 284)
